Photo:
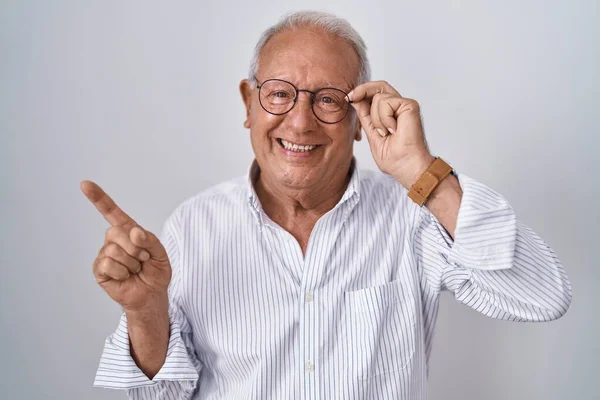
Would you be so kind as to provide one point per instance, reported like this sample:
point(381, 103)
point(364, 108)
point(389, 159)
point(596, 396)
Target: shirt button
point(309, 367)
point(308, 297)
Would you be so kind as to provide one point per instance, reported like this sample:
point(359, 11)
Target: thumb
point(363, 111)
point(148, 241)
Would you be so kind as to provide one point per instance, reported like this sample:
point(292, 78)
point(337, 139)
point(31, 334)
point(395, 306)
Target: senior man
point(310, 279)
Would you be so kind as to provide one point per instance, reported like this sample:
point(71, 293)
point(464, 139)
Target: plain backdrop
point(142, 97)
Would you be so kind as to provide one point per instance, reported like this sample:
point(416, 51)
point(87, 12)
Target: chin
point(295, 179)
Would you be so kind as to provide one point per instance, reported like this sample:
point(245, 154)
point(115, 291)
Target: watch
point(437, 171)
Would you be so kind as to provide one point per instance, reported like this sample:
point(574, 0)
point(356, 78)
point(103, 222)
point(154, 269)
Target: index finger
point(107, 207)
point(369, 89)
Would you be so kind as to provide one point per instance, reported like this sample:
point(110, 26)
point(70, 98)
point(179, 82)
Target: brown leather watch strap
point(437, 171)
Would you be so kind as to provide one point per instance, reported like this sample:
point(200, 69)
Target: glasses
point(278, 97)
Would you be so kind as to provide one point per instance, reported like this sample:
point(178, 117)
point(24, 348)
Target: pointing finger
point(107, 207)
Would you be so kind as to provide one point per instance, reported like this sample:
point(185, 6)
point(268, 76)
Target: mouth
point(296, 147)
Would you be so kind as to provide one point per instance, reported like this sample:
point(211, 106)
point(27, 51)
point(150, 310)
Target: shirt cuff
point(118, 370)
point(486, 229)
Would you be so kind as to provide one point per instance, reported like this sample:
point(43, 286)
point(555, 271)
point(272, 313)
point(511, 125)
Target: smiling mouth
point(297, 148)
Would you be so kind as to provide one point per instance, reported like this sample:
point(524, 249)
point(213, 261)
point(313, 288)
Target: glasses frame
point(313, 94)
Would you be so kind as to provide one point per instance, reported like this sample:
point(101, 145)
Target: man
point(310, 279)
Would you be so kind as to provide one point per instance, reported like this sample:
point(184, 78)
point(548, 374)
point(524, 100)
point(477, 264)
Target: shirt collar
point(253, 173)
point(352, 191)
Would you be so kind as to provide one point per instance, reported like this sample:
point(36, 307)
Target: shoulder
point(220, 198)
point(381, 193)
point(377, 183)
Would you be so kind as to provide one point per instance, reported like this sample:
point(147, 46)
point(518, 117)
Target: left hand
point(394, 130)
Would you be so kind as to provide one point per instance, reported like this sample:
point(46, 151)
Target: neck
point(298, 210)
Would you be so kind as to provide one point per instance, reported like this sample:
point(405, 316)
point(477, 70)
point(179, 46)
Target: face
point(309, 60)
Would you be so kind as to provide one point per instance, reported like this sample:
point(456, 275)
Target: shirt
point(251, 317)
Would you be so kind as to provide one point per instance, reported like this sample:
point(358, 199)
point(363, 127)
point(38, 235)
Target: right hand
point(132, 265)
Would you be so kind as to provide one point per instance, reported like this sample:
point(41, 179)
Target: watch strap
point(437, 171)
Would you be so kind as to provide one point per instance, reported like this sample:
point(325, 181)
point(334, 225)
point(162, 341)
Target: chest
point(253, 293)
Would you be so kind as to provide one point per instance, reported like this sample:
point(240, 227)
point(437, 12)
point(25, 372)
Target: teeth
point(296, 147)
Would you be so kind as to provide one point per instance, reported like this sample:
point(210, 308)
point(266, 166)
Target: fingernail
point(139, 270)
point(381, 132)
point(390, 130)
point(349, 95)
point(142, 234)
point(144, 255)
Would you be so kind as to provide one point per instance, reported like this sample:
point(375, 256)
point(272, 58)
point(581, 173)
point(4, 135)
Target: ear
point(246, 92)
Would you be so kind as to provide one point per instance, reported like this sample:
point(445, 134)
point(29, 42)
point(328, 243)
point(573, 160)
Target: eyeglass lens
point(278, 97)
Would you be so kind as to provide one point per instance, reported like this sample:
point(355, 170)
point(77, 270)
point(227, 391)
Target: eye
point(281, 95)
point(327, 100)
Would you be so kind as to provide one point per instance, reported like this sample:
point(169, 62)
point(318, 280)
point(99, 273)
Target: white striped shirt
point(254, 318)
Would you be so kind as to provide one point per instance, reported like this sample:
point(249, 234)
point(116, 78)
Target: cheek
point(261, 133)
point(343, 136)
point(262, 121)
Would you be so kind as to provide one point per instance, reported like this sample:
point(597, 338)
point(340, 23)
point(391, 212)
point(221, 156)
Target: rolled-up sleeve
point(179, 373)
point(178, 377)
point(495, 264)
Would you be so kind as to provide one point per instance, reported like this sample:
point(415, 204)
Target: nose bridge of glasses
point(309, 92)
point(310, 103)
point(304, 111)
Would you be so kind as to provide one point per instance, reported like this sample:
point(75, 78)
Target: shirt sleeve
point(178, 377)
point(496, 264)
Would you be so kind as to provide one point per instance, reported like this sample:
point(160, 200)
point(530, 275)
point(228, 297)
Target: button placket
point(309, 366)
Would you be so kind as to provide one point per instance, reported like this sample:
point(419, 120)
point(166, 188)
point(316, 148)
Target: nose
point(301, 118)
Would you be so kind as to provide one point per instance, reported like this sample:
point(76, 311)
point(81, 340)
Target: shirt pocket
point(380, 329)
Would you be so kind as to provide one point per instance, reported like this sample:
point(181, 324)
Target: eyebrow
point(347, 88)
point(328, 84)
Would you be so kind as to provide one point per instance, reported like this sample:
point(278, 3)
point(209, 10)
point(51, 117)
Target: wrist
point(413, 169)
point(154, 309)
point(450, 184)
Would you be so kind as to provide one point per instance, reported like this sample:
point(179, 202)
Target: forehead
point(309, 58)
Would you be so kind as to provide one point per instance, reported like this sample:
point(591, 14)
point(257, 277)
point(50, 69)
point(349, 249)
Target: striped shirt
point(253, 318)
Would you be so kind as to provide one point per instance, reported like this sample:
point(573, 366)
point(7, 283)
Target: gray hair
point(329, 23)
